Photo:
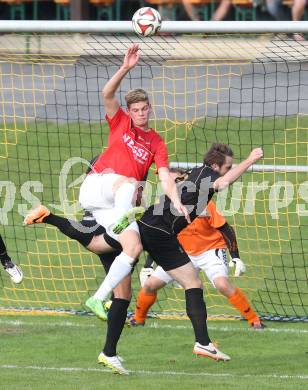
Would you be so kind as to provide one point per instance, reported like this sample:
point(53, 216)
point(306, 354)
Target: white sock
point(123, 199)
point(120, 268)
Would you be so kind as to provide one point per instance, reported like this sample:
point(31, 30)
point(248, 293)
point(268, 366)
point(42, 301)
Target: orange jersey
point(202, 234)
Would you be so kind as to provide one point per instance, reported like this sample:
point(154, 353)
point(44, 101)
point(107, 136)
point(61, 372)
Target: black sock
point(196, 311)
point(116, 321)
point(4, 257)
point(72, 229)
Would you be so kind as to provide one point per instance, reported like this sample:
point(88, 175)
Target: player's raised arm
point(234, 173)
point(130, 61)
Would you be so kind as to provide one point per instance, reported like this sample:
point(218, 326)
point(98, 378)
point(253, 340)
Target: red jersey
point(131, 151)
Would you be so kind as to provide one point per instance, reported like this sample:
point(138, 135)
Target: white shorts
point(213, 263)
point(97, 196)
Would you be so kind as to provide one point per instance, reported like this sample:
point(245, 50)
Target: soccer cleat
point(210, 351)
point(133, 323)
point(36, 215)
point(112, 362)
point(14, 271)
point(257, 325)
point(130, 216)
point(107, 305)
point(97, 307)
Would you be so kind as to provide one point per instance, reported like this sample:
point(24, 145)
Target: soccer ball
point(146, 21)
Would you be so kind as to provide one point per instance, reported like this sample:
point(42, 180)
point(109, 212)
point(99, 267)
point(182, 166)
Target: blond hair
point(136, 96)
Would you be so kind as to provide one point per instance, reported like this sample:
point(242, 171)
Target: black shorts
point(164, 248)
point(107, 259)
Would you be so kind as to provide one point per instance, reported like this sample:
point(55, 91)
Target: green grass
point(59, 273)
point(40, 351)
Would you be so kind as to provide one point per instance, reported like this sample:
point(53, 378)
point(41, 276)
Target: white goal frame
point(176, 27)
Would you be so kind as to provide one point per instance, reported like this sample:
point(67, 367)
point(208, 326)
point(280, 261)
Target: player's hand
point(131, 57)
point(144, 274)
point(182, 210)
point(255, 155)
point(240, 267)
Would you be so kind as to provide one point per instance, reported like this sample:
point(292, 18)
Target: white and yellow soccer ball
point(146, 21)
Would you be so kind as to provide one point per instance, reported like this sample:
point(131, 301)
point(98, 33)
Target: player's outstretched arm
point(130, 61)
point(234, 173)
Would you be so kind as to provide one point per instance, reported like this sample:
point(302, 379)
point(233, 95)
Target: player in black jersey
point(160, 225)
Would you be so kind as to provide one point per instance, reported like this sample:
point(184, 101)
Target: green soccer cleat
point(97, 307)
point(107, 305)
point(130, 216)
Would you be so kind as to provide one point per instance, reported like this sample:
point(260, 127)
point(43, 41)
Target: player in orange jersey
point(205, 241)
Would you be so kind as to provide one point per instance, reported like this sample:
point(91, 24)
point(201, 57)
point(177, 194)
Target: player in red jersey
point(109, 189)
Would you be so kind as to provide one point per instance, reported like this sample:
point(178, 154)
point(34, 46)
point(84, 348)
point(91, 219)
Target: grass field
point(60, 353)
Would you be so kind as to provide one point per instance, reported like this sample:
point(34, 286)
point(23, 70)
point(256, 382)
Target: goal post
point(245, 84)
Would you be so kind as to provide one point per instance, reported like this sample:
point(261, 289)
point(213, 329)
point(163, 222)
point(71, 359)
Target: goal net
point(246, 90)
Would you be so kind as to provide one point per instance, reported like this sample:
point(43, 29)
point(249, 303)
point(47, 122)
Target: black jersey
point(196, 191)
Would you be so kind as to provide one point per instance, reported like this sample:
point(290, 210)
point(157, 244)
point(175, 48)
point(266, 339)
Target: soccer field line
point(154, 325)
point(155, 373)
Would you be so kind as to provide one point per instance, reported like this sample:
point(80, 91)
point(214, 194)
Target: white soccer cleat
point(14, 271)
point(112, 362)
point(210, 351)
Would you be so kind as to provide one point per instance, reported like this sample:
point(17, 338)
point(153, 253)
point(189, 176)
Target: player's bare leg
point(99, 246)
point(123, 289)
